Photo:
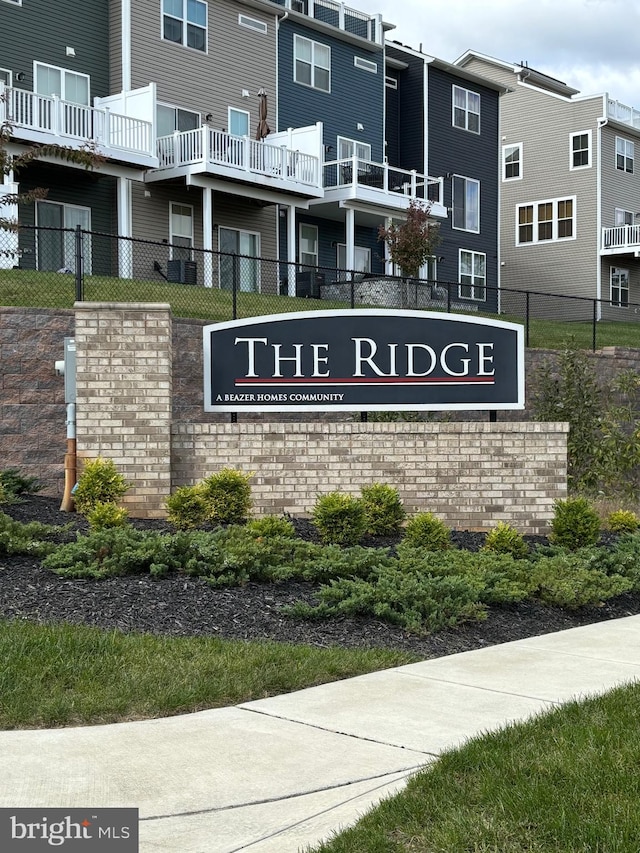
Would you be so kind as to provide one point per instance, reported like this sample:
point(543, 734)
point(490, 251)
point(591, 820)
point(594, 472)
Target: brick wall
point(470, 474)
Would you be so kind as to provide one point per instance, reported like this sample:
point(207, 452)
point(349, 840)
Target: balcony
point(622, 113)
point(49, 120)
point(621, 240)
point(381, 185)
point(206, 151)
point(350, 21)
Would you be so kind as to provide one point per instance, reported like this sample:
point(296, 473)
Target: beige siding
point(237, 59)
point(543, 123)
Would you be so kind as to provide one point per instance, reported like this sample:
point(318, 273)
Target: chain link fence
point(55, 267)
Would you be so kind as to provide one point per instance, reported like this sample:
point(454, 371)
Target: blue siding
point(356, 96)
point(456, 151)
point(41, 33)
point(405, 119)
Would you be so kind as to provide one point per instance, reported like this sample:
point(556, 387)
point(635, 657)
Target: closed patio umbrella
point(263, 128)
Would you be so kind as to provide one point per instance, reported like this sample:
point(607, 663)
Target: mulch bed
point(184, 606)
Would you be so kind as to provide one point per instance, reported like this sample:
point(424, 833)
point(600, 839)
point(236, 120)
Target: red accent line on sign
point(373, 380)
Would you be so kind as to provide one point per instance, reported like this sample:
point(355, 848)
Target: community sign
point(363, 360)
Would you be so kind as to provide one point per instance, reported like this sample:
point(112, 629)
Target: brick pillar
point(124, 396)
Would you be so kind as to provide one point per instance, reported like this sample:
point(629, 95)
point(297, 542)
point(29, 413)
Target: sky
point(592, 45)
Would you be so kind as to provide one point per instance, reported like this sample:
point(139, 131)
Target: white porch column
point(125, 247)
point(350, 237)
point(388, 263)
point(207, 235)
point(292, 250)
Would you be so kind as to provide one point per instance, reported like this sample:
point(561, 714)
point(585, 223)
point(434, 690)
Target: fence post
point(526, 320)
point(79, 273)
point(595, 320)
point(448, 297)
point(235, 261)
point(352, 291)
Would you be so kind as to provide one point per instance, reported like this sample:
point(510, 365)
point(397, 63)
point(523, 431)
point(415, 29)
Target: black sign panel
point(363, 360)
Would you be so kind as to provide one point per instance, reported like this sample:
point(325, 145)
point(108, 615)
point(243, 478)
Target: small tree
point(412, 242)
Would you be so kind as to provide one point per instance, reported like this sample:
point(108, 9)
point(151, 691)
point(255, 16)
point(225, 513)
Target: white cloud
point(589, 44)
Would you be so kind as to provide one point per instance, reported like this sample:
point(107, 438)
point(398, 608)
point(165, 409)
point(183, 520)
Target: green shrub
point(504, 539)
point(495, 578)
point(575, 524)
point(568, 580)
point(427, 531)
point(31, 538)
point(99, 482)
point(383, 509)
point(227, 496)
point(623, 521)
point(13, 484)
point(106, 514)
point(335, 561)
point(339, 518)
point(420, 603)
point(186, 507)
point(272, 525)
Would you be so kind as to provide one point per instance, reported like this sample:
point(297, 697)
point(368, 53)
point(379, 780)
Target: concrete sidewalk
point(274, 775)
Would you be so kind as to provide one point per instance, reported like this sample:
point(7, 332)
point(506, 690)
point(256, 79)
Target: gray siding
point(544, 124)
point(619, 189)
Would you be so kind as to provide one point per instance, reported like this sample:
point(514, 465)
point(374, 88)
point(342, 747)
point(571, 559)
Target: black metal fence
point(55, 267)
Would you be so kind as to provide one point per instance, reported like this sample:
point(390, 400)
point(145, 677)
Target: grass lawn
point(63, 675)
point(565, 781)
point(53, 290)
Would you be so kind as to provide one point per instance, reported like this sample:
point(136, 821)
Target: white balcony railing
point(381, 177)
point(339, 15)
point(622, 238)
point(74, 123)
point(623, 113)
point(214, 149)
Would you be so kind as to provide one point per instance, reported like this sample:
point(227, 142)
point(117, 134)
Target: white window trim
point(355, 143)
point(391, 82)
point(555, 238)
point(252, 24)
point(87, 260)
point(587, 133)
point(254, 259)
point(302, 225)
point(633, 159)
point(14, 2)
point(467, 112)
point(473, 286)
point(63, 71)
point(520, 147)
point(364, 249)
point(365, 64)
point(9, 74)
point(182, 109)
point(183, 43)
point(619, 304)
point(172, 236)
point(455, 227)
point(296, 40)
point(243, 112)
point(623, 210)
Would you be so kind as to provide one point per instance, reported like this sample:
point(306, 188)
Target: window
point(350, 147)
point(512, 162)
point(252, 24)
point(365, 64)
point(472, 275)
point(623, 217)
point(55, 247)
point(181, 231)
point(466, 109)
point(362, 261)
point(246, 244)
point(546, 221)
point(466, 204)
point(312, 64)
point(238, 122)
point(580, 150)
point(391, 82)
point(619, 287)
point(67, 85)
point(185, 22)
point(624, 154)
point(5, 76)
point(169, 119)
point(308, 245)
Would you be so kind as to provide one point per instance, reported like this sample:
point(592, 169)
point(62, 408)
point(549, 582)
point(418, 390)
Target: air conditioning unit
point(182, 272)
